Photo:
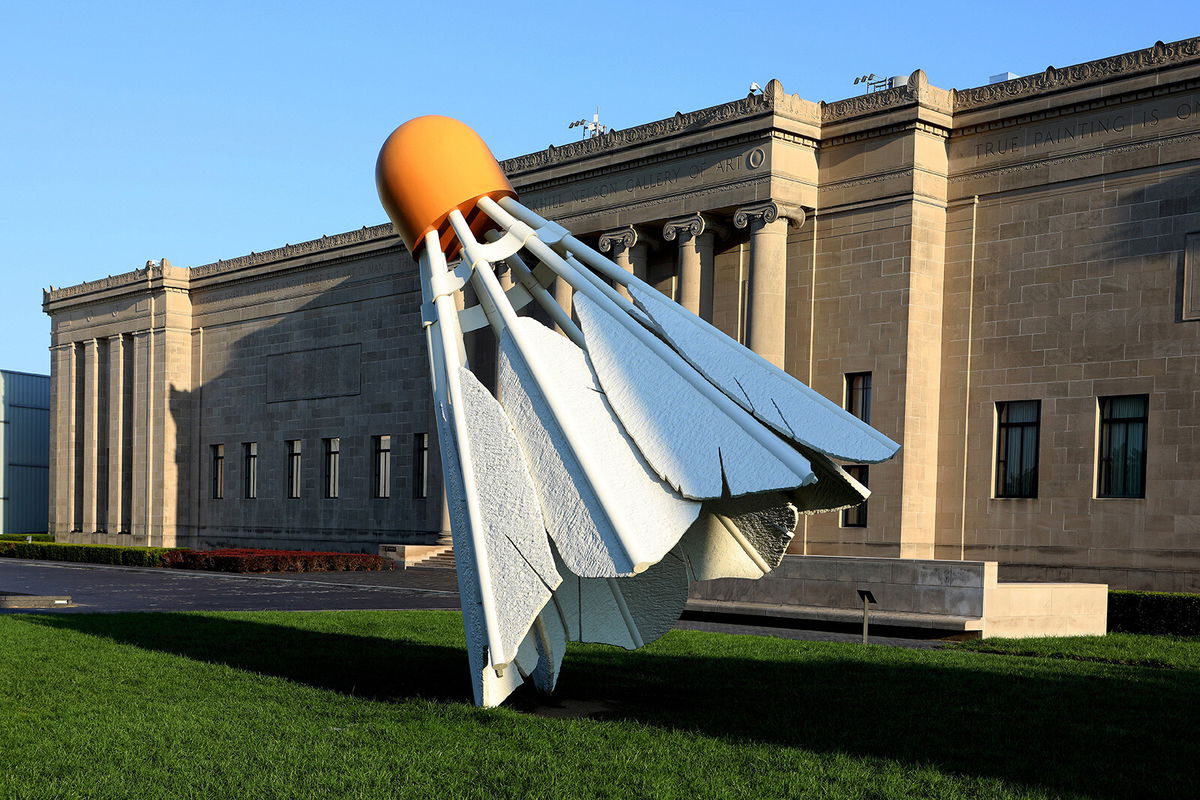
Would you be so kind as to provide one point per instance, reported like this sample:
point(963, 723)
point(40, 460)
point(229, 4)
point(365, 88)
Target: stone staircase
point(436, 556)
point(444, 560)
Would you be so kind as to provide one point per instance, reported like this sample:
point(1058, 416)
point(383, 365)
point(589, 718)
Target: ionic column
point(141, 453)
point(564, 295)
point(695, 234)
point(768, 223)
point(622, 244)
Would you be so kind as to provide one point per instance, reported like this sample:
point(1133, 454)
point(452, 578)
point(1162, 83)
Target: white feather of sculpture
point(763, 389)
point(651, 387)
point(620, 438)
point(521, 567)
point(608, 514)
point(597, 492)
point(663, 413)
point(496, 520)
point(793, 409)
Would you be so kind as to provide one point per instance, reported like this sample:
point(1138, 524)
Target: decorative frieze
point(360, 236)
point(157, 271)
point(1160, 55)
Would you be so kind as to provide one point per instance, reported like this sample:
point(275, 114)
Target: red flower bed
point(250, 560)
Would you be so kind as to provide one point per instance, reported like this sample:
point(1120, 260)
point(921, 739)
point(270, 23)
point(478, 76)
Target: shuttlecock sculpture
point(641, 451)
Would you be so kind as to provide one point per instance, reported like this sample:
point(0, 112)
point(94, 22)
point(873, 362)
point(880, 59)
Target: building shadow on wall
point(1054, 726)
point(290, 376)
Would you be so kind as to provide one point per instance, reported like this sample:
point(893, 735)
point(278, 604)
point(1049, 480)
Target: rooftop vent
point(1002, 77)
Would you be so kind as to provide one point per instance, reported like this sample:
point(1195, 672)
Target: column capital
point(767, 212)
point(618, 239)
point(692, 225)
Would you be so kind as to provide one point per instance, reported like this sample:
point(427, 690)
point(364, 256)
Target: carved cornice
point(155, 272)
point(773, 100)
point(917, 91)
point(360, 236)
point(768, 212)
point(619, 239)
point(1156, 57)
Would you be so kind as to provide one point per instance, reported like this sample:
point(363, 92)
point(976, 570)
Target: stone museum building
point(1004, 279)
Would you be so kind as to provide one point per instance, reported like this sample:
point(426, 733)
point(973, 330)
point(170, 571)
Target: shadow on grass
point(1065, 727)
point(1061, 726)
point(372, 667)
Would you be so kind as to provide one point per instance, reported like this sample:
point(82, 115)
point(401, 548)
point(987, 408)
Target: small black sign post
point(867, 598)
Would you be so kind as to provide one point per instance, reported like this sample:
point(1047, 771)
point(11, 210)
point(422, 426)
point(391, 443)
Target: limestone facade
point(1032, 240)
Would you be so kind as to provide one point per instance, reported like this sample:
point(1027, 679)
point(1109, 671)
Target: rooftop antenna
point(590, 129)
point(873, 83)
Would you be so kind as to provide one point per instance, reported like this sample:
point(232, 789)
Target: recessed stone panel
point(314, 374)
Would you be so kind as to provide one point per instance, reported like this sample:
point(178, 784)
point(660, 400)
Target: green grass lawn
point(1168, 652)
point(376, 705)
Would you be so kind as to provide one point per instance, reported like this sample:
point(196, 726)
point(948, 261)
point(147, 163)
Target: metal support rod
point(866, 616)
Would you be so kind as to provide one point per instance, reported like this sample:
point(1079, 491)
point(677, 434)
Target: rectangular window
point(858, 395)
point(250, 469)
point(333, 455)
point(293, 446)
point(382, 479)
point(218, 471)
point(420, 465)
point(1017, 428)
point(1122, 468)
point(856, 517)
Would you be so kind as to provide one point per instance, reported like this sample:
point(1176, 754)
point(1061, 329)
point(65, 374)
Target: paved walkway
point(96, 587)
point(102, 588)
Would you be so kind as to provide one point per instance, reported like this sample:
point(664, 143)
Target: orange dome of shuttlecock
point(430, 166)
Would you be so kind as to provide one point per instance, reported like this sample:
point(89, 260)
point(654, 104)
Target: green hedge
point(255, 560)
point(86, 553)
point(20, 537)
point(1157, 613)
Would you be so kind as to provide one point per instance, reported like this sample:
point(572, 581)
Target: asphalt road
point(101, 588)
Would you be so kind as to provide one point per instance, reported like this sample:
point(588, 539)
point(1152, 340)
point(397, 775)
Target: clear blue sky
point(204, 130)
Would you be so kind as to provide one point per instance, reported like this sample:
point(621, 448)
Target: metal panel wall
point(24, 452)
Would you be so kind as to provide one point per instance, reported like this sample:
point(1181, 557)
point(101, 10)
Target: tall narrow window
point(1017, 429)
point(1122, 470)
point(333, 455)
point(420, 465)
point(250, 468)
point(856, 517)
point(294, 473)
point(382, 479)
point(218, 471)
point(858, 395)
